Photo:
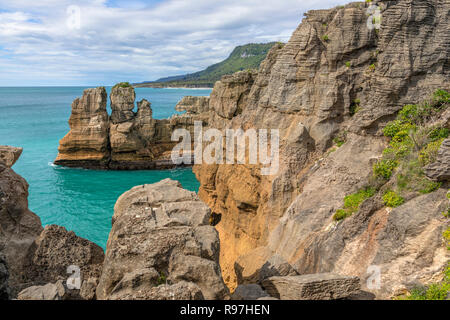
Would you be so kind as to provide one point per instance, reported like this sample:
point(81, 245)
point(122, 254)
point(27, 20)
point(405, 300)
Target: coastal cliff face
point(126, 140)
point(161, 247)
point(335, 80)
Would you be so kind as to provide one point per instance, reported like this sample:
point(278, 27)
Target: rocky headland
point(360, 200)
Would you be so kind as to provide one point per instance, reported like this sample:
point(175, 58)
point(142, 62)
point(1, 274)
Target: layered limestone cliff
point(330, 91)
point(335, 80)
point(161, 246)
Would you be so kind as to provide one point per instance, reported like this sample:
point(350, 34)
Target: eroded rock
point(9, 155)
point(249, 292)
point(161, 239)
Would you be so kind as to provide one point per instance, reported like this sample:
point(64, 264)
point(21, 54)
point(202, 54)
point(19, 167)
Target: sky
point(102, 42)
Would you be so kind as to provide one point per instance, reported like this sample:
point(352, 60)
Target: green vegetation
point(348, 64)
point(247, 57)
point(392, 199)
point(325, 37)
point(413, 145)
point(353, 202)
point(339, 141)
point(372, 67)
point(355, 107)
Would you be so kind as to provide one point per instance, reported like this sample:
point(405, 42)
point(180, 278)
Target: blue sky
point(100, 42)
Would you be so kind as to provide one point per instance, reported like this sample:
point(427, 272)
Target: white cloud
point(134, 40)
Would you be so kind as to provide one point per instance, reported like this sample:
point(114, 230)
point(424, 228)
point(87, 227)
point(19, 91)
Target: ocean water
point(80, 200)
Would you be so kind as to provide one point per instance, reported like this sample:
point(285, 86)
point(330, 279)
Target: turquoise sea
point(80, 200)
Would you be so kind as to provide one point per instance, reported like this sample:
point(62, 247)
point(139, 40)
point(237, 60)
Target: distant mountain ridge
point(244, 57)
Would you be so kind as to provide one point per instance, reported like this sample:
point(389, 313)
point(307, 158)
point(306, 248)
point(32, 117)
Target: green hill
point(244, 57)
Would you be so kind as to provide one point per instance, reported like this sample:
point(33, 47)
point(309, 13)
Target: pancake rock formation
point(161, 246)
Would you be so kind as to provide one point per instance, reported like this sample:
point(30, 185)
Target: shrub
point(441, 96)
point(352, 203)
point(385, 168)
point(446, 236)
point(341, 214)
point(429, 153)
point(162, 279)
point(430, 186)
point(355, 107)
point(372, 67)
point(392, 199)
point(348, 64)
point(438, 134)
point(409, 113)
point(325, 37)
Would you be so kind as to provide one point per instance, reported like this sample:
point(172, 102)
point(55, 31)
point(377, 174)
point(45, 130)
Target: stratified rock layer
point(335, 77)
point(161, 236)
point(324, 286)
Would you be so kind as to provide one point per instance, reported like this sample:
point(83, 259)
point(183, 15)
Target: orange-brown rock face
point(87, 142)
point(335, 77)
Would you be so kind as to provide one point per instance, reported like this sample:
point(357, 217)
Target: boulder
point(325, 286)
point(440, 170)
point(161, 238)
point(50, 291)
point(9, 155)
point(249, 292)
